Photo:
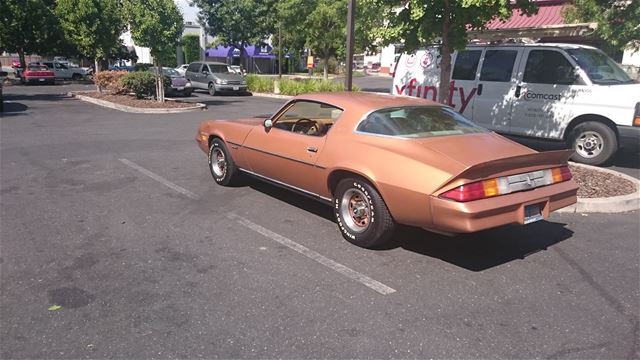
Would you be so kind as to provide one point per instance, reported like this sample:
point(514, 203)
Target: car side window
point(308, 118)
point(498, 65)
point(548, 67)
point(466, 65)
point(194, 67)
point(205, 68)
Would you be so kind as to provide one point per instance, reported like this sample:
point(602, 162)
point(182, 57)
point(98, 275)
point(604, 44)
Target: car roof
point(554, 45)
point(215, 63)
point(365, 102)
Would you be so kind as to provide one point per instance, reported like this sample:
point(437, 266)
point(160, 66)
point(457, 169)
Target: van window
point(219, 69)
point(548, 67)
point(601, 69)
point(466, 65)
point(194, 67)
point(498, 65)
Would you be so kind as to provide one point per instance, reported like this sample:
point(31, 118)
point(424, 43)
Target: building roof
point(548, 14)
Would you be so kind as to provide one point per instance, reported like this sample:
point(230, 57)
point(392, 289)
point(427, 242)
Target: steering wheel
point(307, 127)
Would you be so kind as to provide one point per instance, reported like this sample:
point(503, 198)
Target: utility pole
point(351, 14)
point(280, 50)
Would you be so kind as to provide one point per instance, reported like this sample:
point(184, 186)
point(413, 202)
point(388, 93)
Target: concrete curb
point(129, 109)
point(275, 96)
point(614, 204)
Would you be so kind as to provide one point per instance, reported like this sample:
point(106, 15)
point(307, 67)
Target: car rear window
point(418, 122)
point(38, 68)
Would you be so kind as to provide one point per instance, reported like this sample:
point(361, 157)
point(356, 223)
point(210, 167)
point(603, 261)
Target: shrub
point(142, 66)
point(141, 83)
point(110, 80)
point(260, 84)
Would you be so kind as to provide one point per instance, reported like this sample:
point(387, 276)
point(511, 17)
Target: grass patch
point(263, 84)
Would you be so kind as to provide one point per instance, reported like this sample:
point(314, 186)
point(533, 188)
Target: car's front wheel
point(212, 89)
point(361, 214)
point(223, 168)
point(594, 143)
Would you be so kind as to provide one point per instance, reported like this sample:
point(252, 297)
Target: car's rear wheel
point(594, 143)
point(223, 168)
point(76, 77)
point(361, 214)
point(212, 89)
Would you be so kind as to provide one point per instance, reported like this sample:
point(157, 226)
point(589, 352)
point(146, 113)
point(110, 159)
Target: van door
point(492, 106)
point(464, 80)
point(543, 103)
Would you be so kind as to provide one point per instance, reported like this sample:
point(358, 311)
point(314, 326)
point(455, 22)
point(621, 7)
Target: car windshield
point(418, 122)
point(600, 68)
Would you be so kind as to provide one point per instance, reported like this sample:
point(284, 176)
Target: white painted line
point(352, 274)
point(160, 179)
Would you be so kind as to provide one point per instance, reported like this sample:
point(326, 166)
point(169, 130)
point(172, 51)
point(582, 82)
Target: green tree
point(237, 22)
point(446, 22)
point(93, 26)
point(191, 48)
point(326, 30)
point(618, 21)
point(158, 25)
point(27, 27)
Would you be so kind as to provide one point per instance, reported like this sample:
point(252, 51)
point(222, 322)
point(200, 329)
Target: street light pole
point(351, 13)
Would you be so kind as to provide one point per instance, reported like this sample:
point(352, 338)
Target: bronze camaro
point(380, 160)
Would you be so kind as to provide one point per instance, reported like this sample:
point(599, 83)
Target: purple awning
point(263, 51)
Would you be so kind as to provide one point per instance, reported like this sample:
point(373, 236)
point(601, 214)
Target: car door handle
point(312, 149)
point(518, 89)
point(479, 89)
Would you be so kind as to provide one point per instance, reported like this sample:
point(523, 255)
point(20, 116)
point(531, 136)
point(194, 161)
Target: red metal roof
point(548, 14)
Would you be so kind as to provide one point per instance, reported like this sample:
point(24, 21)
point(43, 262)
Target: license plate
point(236, 87)
point(532, 213)
point(42, 79)
point(180, 88)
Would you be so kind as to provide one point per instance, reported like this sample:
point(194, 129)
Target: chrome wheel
point(355, 210)
point(218, 163)
point(589, 144)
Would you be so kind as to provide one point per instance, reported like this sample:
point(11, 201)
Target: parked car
point(179, 84)
point(64, 71)
point(37, 73)
point(182, 69)
point(2, 76)
point(381, 160)
point(215, 77)
point(563, 92)
point(15, 63)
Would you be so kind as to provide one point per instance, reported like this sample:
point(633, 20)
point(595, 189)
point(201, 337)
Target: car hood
point(229, 77)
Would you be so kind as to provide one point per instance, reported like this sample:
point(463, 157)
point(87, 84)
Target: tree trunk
point(445, 58)
point(97, 70)
point(159, 82)
point(325, 74)
point(23, 62)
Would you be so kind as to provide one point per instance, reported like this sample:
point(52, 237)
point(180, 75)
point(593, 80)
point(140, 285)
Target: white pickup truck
point(65, 70)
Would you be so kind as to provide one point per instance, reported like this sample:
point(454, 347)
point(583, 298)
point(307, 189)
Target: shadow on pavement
point(35, 97)
point(486, 249)
point(475, 252)
point(13, 109)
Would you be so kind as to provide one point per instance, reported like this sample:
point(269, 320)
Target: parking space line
point(160, 179)
point(350, 273)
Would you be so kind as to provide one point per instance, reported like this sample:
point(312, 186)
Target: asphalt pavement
point(114, 217)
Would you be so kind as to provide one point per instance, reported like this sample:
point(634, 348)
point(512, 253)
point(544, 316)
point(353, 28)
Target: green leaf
point(54, 307)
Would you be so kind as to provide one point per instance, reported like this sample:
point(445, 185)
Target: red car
point(36, 73)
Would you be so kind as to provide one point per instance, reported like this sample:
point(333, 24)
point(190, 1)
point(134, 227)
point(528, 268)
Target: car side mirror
point(205, 72)
point(268, 123)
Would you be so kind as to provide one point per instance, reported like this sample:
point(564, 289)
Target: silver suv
point(215, 77)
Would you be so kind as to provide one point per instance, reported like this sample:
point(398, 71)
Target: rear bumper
point(457, 217)
point(629, 137)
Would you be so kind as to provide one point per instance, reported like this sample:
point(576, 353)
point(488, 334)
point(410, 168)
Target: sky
point(189, 13)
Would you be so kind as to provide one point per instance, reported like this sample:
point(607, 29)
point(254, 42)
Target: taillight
point(636, 115)
point(507, 184)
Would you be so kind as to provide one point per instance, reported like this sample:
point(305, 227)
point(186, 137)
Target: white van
point(566, 92)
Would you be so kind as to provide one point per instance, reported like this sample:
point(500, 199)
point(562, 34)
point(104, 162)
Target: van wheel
point(212, 89)
point(594, 143)
point(361, 214)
